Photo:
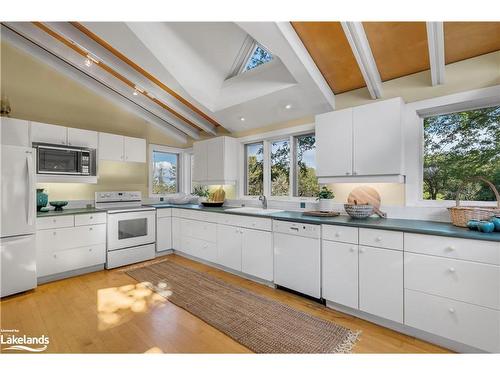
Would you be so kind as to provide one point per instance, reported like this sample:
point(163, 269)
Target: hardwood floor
point(107, 312)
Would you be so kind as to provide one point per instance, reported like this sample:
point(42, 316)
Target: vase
point(325, 205)
point(41, 199)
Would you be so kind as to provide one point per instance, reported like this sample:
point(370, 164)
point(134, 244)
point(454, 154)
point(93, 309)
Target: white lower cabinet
point(381, 282)
point(257, 254)
point(163, 233)
point(340, 273)
point(176, 233)
point(229, 242)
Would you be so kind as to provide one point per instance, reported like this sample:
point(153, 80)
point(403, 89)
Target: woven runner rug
point(261, 324)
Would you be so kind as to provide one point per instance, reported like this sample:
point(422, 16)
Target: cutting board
point(366, 195)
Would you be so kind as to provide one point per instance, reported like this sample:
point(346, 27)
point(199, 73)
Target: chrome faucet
point(263, 199)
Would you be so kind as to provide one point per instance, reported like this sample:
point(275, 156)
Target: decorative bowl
point(486, 226)
point(58, 205)
point(359, 211)
point(212, 204)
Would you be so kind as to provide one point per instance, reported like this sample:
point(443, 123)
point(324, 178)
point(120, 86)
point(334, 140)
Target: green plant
point(201, 191)
point(325, 193)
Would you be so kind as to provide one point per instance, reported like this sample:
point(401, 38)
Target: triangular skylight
point(258, 57)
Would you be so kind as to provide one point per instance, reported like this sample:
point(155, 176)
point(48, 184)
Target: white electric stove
point(131, 233)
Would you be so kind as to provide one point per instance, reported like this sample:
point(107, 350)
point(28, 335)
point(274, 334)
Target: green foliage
point(307, 182)
point(255, 174)
point(201, 191)
point(280, 168)
point(162, 186)
point(459, 146)
point(325, 193)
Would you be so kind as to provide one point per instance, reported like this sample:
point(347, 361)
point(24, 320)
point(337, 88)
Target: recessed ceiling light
point(288, 106)
point(88, 62)
point(135, 93)
point(242, 119)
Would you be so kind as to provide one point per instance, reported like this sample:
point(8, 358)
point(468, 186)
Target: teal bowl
point(496, 222)
point(58, 205)
point(486, 226)
point(473, 224)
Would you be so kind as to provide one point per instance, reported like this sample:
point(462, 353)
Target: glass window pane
point(259, 56)
point(307, 183)
point(280, 168)
point(458, 146)
point(165, 175)
point(254, 166)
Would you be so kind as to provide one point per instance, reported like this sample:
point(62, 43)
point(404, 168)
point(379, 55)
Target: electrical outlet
point(161, 199)
point(302, 204)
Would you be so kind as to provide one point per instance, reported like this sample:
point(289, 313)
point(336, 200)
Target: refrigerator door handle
point(31, 195)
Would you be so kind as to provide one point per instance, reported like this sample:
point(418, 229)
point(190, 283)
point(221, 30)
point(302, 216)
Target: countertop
point(403, 225)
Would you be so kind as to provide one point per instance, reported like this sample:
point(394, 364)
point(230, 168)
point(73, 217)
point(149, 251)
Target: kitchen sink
point(254, 210)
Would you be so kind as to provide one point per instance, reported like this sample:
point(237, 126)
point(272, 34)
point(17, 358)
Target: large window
point(165, 172)
point(291, 167)
point(254, 169)
point(458, 146)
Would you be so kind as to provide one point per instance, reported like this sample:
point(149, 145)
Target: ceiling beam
point(435, 41)
point(361, 49)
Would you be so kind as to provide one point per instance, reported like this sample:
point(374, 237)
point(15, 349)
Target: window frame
point(183, 169)
point(414, 139)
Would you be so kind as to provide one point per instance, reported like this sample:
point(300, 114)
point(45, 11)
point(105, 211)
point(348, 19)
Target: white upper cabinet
point(215, 161)
point(46, 133)
point(15, 132)
point(120, 148)
point(82, 138)
point(361, 144)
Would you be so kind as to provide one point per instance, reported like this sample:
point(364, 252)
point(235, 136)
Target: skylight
point(258, 57)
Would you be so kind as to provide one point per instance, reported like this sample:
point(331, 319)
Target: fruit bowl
point(58, 205)
point(358, 211)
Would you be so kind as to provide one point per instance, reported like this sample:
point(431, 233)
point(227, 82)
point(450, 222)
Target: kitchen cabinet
point(361, 144)
point(229, 242)
point(176, 233)
point(215, 161)
point(257, 254)
point(340, 273)
point(381, 282)
point(121, 148)
point(82, 138)
point(163, 233)
point(15, 132)
point(47, 133)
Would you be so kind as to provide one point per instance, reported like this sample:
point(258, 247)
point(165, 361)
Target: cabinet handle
point(54, 220)
point(352, 249)
point(54, 233)
point(451, 310)
point(347, 173)
point(90, 249)
point(450, 248)
point(378, 239)
point(91, 217)
point(55, 256)
point(69, 143)
point(361, 250)
point(337, 234)
point(91, 228)
point(354, 173)
point(451, 269)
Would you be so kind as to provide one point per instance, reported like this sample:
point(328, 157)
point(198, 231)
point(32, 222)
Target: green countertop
point(68, 211)
point(403, 225)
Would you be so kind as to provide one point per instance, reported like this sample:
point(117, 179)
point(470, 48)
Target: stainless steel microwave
point(65, 160)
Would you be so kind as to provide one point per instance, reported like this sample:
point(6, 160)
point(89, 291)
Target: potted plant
point(202, 192)
point(325, 198)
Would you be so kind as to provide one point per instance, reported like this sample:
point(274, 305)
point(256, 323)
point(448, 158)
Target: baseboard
point(410, 331)
point(65, 275)
point(163, 252)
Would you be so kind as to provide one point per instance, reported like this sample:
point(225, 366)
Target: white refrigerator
point(17, 225)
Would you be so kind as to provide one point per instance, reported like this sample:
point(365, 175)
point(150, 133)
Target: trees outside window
point(254, 169)
point(458, 146)
point(165, 177)
point(280, 168)
point(307, 182)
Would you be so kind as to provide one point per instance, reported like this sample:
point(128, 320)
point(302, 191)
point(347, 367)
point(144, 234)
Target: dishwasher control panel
point(297, 229)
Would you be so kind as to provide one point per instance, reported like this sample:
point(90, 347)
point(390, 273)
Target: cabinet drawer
point(163, 212)
point(381, 238)
point(250, 222)
point(458, 248)
point(199, 229)
point(55, 222)
point(51, 240)
point(90, 219)
point(339, 233)
point(199, 215)
point(462, 280)
point(71, 259)
point(199, 248)
point(472, 325)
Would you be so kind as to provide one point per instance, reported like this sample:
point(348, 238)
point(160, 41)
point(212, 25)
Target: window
point(290, 166)
point(280, 168)
point(305, 166)
point(258, 57)
point(458, 146)
point(254, 169)
point(164, 171)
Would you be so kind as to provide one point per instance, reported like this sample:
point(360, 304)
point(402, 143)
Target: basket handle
point(492, 187)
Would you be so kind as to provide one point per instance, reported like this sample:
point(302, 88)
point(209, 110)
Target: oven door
point(128, 229)
point(59, 160)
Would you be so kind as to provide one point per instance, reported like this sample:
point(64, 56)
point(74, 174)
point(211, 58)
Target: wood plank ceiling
point(399, 48)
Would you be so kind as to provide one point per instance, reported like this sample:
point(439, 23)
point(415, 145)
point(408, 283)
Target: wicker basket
point(358, 211)
point(461, 215)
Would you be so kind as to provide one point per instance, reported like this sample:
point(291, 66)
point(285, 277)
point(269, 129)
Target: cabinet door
point(377, 135)
point(199, 161)
point(163, 233)
point(15, 132)
point(47, 133)
point(381, 282)
point(257, 254)
point(176, 233)
point(215, 159)
point(340, 273)
point(110, 147)
point(229, 246)
point(334, 143)
point(134, 149)
point(82, 138)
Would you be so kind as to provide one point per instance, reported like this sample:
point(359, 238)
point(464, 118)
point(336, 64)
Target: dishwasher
point(297, 257)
